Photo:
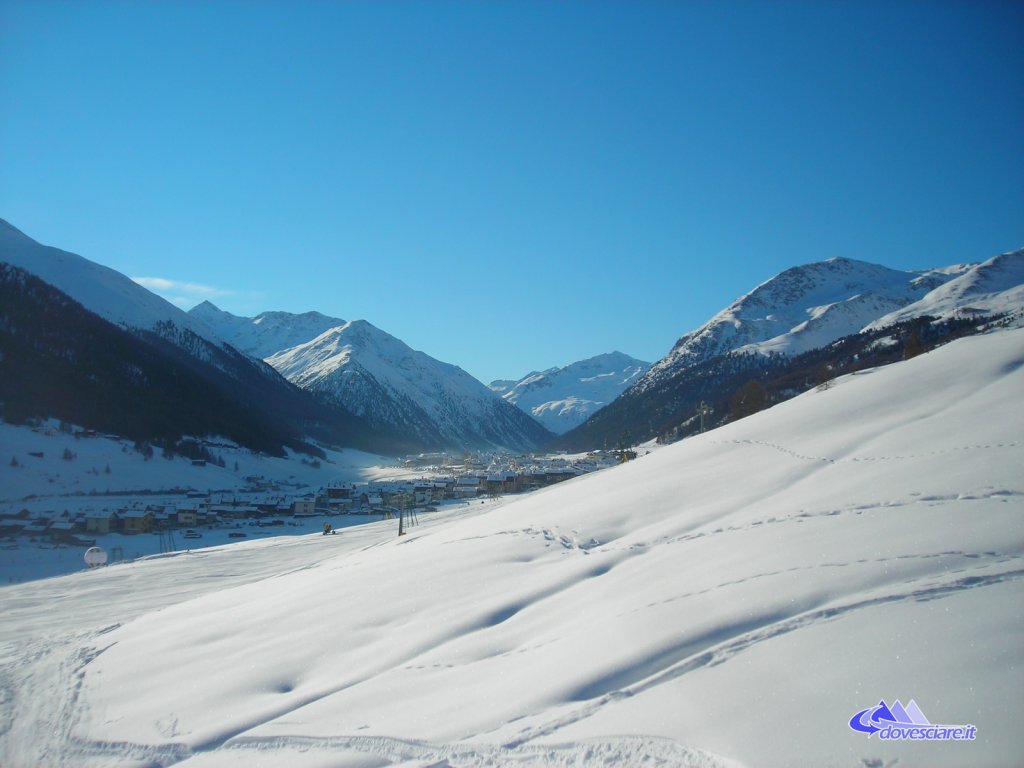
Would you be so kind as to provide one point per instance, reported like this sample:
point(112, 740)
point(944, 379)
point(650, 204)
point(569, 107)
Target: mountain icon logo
point(874, 719)
point(899, 722)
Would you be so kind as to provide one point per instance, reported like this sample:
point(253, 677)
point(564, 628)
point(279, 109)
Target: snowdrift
point(734, 599)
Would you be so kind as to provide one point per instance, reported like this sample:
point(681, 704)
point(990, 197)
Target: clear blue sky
point(510, 186)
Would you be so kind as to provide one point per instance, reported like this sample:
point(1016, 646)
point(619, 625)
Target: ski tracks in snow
point(620, 751)
point(41, 683)
point(896, 457)
point(726, 642)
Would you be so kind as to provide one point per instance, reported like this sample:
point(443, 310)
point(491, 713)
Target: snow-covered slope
point(266, 334)
point(803, 308)
point(847, 546)
point(992, 287)
point(562, 398)
point(99, 289)
point(383, 380)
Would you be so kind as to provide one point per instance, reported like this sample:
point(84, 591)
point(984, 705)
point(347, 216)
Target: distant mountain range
point(379, 378)
point(786, 333)
point(82, 342)
point(202, 372)
point(564, 398)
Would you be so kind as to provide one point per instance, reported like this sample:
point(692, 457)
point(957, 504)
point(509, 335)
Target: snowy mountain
point(783, 336)
point(381, 379)
point(740, 598)
point(995, 287)
point(803, 308)
point(563, 398)
point(266, 334)
point(81, 342)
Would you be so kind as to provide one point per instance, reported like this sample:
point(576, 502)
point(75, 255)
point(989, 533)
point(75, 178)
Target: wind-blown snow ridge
point(742, 593)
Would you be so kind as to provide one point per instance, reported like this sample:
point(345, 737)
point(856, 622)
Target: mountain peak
point(809, 306)
point(390, 385)
point(268, 333)
point(802, 308)
point(379, 378)
point(563, 398)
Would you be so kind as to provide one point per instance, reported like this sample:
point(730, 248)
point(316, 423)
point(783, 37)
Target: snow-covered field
point(51, 479)
point(27, 560)
point(732, 599)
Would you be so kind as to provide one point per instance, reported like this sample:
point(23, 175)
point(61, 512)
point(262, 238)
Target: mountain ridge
point(268, 332)
point(802, 308)
point(105, 291)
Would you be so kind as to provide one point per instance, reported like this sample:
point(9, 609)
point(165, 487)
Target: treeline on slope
point(59, 360)
point(736, 385)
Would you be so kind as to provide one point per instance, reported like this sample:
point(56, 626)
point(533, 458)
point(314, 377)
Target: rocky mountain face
point(563, 398)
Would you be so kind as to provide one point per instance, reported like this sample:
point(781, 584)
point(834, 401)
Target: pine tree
point(824, 377)
point(751, 398)
point(912, 346)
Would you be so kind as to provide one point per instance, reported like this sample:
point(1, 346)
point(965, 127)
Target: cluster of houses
point(267, 506)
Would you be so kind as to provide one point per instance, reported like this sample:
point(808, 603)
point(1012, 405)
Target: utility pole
point(167, 542)
point(704, 410)
point(403, 503)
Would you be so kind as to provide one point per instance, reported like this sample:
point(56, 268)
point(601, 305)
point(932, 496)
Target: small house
point(468, 485)
point(304, 507)
point(340, 491)
point(136, 521)
point(101, 522)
